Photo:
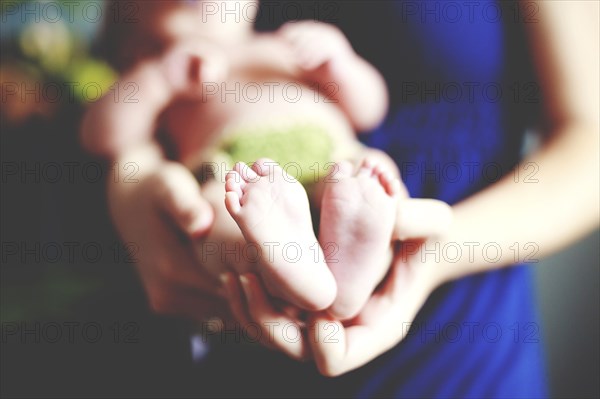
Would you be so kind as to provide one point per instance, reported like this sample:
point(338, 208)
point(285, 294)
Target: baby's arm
point(113, 126)
point(327, 58)
point(125, 131)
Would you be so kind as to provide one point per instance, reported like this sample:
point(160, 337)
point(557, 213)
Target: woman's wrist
point(442, 255)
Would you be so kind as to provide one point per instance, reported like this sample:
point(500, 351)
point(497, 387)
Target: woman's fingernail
point(201, 224)
point(224, 279)
point(246, 286)
point(199, 228)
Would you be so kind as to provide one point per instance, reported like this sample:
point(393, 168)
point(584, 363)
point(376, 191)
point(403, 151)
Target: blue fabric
point(448, 147)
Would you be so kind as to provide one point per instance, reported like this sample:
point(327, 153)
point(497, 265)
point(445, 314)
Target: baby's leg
point(272, 210)
point(358, 213)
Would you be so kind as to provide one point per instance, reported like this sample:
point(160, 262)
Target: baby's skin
point(357, 207)
point(339, 270)
point(358, 212)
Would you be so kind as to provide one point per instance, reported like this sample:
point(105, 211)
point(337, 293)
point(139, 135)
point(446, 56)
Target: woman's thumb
point(181, 199)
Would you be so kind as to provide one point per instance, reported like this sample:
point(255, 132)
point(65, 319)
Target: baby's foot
point(358, 213)
point(271, 208)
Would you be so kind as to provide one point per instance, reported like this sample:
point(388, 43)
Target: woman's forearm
point(521, 220)
point(516, 221)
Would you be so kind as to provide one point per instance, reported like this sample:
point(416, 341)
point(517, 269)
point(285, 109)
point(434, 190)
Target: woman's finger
point(418, 218)
point(236, 298)
point(252, 307)
point(178, 195)
point(380, 326)
point(283, 332)
point(338, 349)
point(238, 306)
point(185, 301)
point(174, 262)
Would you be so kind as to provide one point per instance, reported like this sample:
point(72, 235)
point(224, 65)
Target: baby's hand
point(190, 65)
point(315, 43)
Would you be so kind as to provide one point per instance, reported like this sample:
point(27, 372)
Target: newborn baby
point(297, 96)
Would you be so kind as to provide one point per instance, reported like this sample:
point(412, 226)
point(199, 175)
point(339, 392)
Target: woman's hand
point(163, 210)
point(384, 321)
point(159, 215)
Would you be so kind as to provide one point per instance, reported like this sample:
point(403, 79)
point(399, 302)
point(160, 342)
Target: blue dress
point(462, 96)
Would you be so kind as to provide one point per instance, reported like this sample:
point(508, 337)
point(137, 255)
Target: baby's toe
point(245, 172)
point(341, 170)
point(364, 171)
point(369, 168)
point(390, 184)
point(234, 183)
point(232, 203)
point(264, 166)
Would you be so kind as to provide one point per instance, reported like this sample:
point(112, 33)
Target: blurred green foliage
point(49, 44)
